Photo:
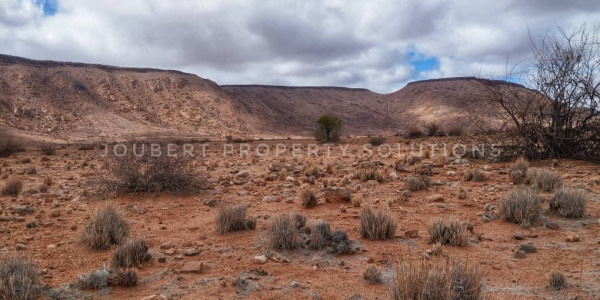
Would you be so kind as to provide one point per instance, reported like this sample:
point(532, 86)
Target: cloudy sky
point(376, 44)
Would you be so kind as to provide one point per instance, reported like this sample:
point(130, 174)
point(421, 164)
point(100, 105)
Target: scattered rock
point(191, 252)
point(333, 194)
point(413, 233)
point(20, 247)
point(211, 202)
point(394, 175)
point(527, 248)
point(277, 257)
point(269, 199)
point(260, 259)
point(553, 225)
point(196, 267)
point(21, 210)
point(520, 254)
point(572, 237)
point(518, 235)
point(436, 198)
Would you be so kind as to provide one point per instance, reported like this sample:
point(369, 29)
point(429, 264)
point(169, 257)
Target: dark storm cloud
point(333, 42)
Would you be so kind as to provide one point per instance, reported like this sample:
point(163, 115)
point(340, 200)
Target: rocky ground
point(191, 260)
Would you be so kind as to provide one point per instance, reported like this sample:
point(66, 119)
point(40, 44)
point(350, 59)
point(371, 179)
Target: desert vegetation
point(522, 206)
point(377, 225)
point(18, 279)
point(329, 128)
point(106, 229)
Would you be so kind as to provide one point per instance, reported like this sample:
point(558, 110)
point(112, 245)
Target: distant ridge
point(482, 80)
point(294, 87)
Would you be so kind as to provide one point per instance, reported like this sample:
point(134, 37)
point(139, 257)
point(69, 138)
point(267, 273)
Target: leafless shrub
point(234, 219)
point(461, 192)
point(12, 187)
point(366, 173)
point(414, 132)
point(8, 144)
point(521, 206)
point(377, 225)
point(124, 278)
point(544, 180)
point(98, 279)
point(48, 150)
point(569, 203)
point(455, 131)
point(320, 235)
point(148, 173)
point(475, 174)
point(106, 229)
point(437, 280)
point(311, 170)
point(434, 129)
point(130, 254)
point(518, 170)
point(309, 198)
point(18, 279)
point(372, 274)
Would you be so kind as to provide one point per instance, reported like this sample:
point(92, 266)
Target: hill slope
point(74, 101)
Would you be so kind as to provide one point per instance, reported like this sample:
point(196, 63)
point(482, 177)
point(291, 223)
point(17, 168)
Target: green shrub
point(329, 128)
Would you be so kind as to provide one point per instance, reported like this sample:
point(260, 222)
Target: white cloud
point(358, 44)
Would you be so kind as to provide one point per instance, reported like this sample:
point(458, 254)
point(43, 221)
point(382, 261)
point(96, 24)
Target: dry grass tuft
point(130, 254)
point(309, 198)
point(283, 233)
point(124, 278)
point(372, 274)
point(369, 172)
point(234, 219)
point(18, 279)
point(475, 175)
point(320, 235)
point(569, 203)
point(440, 280)
point(416, 183)
point(377, 140)
point(544, 180)
point(377, 225)
point(106, 229)
point(518, 170)
point(557, 280)
point(454, 232)
point(8, 144)
point(521, 206)
point(12, 187)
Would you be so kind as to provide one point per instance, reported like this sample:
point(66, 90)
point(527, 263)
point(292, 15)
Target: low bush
point(283, 233)
point(521, 206)
point(416, 183)
point(434, 129)
point(366, 173)
point(320, 235)
point(437, 280)
point(372, 274)
point(377, 140)
point(475, 175)
point(48, 150)
point(309, 198)
point(148, 173)
point(414, 132)
point(454, 233)
point(130, 254)
point(377, 225)
point(234, 219)
point(12, 187)
point(569, 203)
point(106, 229)
point(518, 170)
point(544, 180)
point(18, 279)
point(557, 280)
point(8, 144)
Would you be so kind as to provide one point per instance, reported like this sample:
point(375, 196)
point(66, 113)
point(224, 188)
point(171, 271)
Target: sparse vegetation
point(124, 278)
point(148, 173)
point(377, 225)
point(521, 206)
point(8, 144)
point(283, 233)
point(557, 280)
point(366, 173)
point(372, 274)
point(414, 132)
point(437, 280)
point(475, 175)
point(18, 279)
point(416, 183)
point(106, 229)
point(309, 198)
point(569, 203)
point(320, 235)
point(434, 129)
point(48, 150)
point(130, 254)
point(454, 233)
point(544, 180)
point(234, 219)
point(454, 131)
point(518, 170)
point(329, 128)
point(12, 187)
point(98, 279)
point(377, 140)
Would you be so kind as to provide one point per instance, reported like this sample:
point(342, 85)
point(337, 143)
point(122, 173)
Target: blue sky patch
point(50, 7)
point(423, 63)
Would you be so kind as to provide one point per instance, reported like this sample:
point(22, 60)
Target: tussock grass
point(234, 219)
point(377, 225)
point(130, 254)
point(309, 198)
point(518, 170)
point(454, 232)
point(283, 233)
point(521, 206)
point(18, 279)
point(372, 274)
point(12, 187)
point(544, 180)
point(106, 229)
point(569, 203)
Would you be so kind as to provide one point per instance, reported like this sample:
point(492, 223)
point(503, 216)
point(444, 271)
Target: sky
point(376, 44)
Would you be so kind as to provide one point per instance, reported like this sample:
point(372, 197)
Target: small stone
point(30, 225)
point(527, 248)
point(260, 259)
point(295, 284)
point(553, 226)
point(51, 246)
point(20, 247)
point(277, 257)
point(167, 245)
point(170, 251)
point(269, 199)
point(191, 252)
point(162, 259)
point(394, 175)
point(413, 233)
point(55, 213)
point(21, 210)
point(210, 202)
point(196, 267)
point(520, 254)
point(572, 237)
point(518, 235)
point(435, 198)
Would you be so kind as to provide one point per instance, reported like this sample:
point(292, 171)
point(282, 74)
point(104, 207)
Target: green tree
point(329, 128)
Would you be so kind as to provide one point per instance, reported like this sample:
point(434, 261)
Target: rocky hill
point(78, 102)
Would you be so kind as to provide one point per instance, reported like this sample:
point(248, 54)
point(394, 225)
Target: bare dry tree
point(558, 114)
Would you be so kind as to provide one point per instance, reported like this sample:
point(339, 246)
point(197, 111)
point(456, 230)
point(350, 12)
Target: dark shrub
point(106, 229)
point(18, 279)
point(329, 128)
point(234, 219)
point(377, 225)
point(377, 140)
point(130, 254)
